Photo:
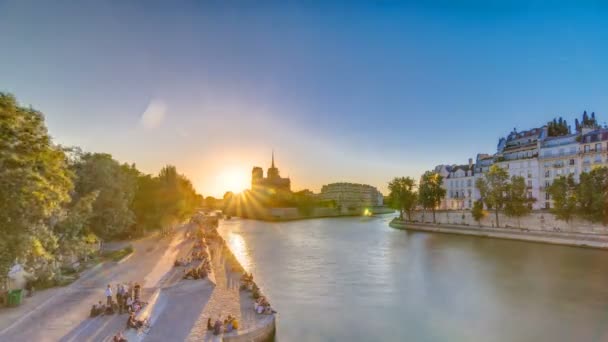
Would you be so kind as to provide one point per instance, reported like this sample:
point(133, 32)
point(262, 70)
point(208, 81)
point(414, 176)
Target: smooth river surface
point(355, 279)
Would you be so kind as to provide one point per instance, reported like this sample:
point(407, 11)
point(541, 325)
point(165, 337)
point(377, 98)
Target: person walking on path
point(109, 295)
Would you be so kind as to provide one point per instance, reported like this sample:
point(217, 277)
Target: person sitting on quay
point(119, 338)
point(134, 323)
point(228, 325)
point(217, 327)
point(209, 325)
point(97, 309)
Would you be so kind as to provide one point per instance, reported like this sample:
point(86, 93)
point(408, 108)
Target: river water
point(356, 279)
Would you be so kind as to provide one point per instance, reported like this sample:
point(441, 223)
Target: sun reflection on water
point(238, 246)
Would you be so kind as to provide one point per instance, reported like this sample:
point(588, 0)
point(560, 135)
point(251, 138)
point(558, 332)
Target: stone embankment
point(550, 237)
point(182, 306)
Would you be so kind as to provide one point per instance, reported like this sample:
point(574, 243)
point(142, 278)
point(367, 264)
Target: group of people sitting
point(199, 272)
point(134, 323)
point(262, 306)
point(228, 325)
point(127, 300)
point(182, 262)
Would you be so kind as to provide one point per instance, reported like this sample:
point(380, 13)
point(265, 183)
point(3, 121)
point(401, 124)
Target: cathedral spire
point(272, 159)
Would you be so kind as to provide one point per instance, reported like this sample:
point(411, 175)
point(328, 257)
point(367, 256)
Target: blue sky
point(356, 91)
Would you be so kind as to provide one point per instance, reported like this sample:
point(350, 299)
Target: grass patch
point(118, 254)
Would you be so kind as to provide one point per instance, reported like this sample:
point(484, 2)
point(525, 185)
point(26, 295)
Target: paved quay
point(62, 314)
point(557, 238)
point(185, 307)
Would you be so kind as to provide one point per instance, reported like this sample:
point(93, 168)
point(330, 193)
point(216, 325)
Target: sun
point(233, 180)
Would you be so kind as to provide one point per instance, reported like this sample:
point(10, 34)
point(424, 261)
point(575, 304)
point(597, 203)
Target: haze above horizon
point(343, 91)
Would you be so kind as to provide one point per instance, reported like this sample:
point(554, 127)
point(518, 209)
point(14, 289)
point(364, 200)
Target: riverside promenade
point(177, 308)
point(550, 237)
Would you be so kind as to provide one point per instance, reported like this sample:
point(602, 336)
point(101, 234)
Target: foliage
point(55, 202)
point(592, 195)
point(563, 192)
point(402, 195)
point(558, 127)
point(35, 182)
point(493, 188)
point(478, 212)
point(431, 191)
point(517, 203)
point(116, 184)
point(587, 121)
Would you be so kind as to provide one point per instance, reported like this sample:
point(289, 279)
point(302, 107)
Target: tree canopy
point(493, 187)
point(56, 202)
point(431, 191)
point(402, 195)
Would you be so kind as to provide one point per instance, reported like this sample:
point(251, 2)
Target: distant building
point(350, 196)
point(273, 182)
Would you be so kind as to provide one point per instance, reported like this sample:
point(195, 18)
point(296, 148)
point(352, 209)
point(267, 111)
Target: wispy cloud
point(154, 114)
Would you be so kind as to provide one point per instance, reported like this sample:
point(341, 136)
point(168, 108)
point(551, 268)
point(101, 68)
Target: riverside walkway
point(178, 309)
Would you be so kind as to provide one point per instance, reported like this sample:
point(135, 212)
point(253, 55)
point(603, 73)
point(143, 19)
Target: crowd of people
point(228, 325)
point(125, 299)
point(199, 263)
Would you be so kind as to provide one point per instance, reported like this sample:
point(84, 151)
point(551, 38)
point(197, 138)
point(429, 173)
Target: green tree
point(517, 202)
point(116, 183)
point(563, 191)
point(478, 212)
point(431, 191)
point(73, 232)
point(493, 187)
point(35, 182)
point(146, 204)
point(402, 195)
point(178, 199)
point(592, 195)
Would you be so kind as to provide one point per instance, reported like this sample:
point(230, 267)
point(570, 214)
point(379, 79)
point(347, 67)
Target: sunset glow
point(233, 180)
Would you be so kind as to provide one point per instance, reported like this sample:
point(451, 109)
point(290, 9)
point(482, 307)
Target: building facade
point(352, 196)
point(272, 183)
point(533, 155)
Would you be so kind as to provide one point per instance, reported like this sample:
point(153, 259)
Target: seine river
point(355, 279)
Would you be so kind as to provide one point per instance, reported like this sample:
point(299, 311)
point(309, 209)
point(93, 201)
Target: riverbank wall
point(538, 220)
point(294, 214)
point(549, 237)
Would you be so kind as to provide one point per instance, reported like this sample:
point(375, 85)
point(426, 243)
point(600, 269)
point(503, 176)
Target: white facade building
point(530, 154)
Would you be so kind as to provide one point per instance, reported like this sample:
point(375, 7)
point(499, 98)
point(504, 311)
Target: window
point(547, 196)
point(547, 184)
point(586, 148)
point(561, 151)
point(547, 173)
point(598, 147)
point(529, 174)
point(571, 162)
point(529, 194)
point(469, 183)
point(529, 183)
point(547, 205)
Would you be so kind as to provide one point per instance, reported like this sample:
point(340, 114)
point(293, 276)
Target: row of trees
point(57, 202)
point(498, 193)
point(587, 199)
point(403, 196)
